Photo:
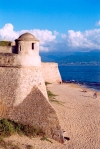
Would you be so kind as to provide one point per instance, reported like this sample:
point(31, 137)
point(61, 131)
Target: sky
point(60, 25)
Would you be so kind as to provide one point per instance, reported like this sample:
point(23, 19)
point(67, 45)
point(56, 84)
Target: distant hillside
point(72, 58)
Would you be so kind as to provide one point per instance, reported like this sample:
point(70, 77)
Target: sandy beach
point(79, 116)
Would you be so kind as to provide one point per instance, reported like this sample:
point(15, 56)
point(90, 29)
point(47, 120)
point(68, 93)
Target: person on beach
point(95, 95)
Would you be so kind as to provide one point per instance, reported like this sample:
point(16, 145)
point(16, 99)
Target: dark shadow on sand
point(67, 138)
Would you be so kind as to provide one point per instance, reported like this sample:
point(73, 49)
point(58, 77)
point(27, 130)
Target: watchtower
point(27, 44)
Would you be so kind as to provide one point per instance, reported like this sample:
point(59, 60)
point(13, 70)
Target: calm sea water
point(88, 76)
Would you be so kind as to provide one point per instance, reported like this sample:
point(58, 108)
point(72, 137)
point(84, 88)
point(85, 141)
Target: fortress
point(23, 95)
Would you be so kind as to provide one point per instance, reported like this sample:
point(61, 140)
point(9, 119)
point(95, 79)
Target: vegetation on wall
point(5, 43)
point(8, 127)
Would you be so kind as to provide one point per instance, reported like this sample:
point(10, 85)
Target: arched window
point(32, 46)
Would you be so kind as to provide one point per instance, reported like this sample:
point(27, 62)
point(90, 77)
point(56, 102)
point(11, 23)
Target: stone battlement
point(12, 59)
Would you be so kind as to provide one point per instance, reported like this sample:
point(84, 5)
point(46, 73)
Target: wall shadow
point(35, 110)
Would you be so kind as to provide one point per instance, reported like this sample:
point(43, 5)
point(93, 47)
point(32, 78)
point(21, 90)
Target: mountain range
point(72, 58)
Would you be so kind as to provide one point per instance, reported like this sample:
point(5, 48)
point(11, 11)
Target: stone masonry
point(51, 72)
point(23, 96)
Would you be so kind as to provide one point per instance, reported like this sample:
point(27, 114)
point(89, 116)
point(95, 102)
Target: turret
point(27, 44)
point(24, 53)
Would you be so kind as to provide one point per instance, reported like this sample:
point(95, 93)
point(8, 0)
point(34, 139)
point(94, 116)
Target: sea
point(87, 76)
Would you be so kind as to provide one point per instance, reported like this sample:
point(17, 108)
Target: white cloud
point(56, 33)
point(89, 39)
point(73, 40)
point(7, 32)
point(98, 23)
point(43, 35)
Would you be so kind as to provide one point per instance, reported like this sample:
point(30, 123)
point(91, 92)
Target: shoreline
point(81, 85)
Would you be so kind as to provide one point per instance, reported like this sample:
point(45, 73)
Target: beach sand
point(79, 116)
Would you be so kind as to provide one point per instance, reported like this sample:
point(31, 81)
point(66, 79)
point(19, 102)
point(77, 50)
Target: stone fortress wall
point(23, 95)
point(23, 99)
point(50, 70)
point(5, 49)
point(10, 59)
point(17, 82)
point(51, 73)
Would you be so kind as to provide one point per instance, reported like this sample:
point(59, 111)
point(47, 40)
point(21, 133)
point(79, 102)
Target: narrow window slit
point(32, 46)
point(20, 48)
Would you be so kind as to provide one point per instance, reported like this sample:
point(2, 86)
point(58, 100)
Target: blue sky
point(67, 17)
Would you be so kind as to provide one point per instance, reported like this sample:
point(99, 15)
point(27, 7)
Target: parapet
point(10, 59)
point(5, 49)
